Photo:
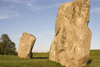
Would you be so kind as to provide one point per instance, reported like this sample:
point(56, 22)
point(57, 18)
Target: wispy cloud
point(12, 8)
point(96, 10)
point(32, 7)
point(36, 8)
point(7, 12)
point(95, 0)
point(20, 1)
point(35, 4)
point(4, 16)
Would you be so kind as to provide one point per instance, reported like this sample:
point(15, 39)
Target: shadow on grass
point(40, 57)
point(89, 61)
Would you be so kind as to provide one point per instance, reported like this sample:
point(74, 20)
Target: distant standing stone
point(71, 44)
point(25, 46)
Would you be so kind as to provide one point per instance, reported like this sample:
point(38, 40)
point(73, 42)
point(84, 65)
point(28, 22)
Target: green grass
point(38, 60)
point(94, 59)
point(42, 60)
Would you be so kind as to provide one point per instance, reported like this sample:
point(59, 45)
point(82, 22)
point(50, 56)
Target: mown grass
point(38, 60)
point(42, 60)
point(94, 60)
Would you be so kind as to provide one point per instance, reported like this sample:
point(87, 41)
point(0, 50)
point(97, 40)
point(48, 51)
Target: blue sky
point(38, 17)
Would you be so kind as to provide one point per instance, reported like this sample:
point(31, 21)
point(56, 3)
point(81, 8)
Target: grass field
point(42, 60)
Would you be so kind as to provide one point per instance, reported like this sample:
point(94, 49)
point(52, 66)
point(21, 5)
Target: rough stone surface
point(71, 44)
point(25, 46)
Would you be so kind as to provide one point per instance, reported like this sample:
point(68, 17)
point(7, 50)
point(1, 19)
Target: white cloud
point(36, 8)
point(32, 7)
point(19, 1)
point(35, 4)
point(13, 6)
point(96, 10)
point(4, 16)
point(95, 0)
point(7, 12)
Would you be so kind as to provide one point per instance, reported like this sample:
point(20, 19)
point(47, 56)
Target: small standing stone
point(25, 46)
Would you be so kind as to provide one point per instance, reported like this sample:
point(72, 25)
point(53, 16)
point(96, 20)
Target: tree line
point(7, 47)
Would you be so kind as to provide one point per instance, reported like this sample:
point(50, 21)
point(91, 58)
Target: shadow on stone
point(40, 58)
point(89, 61)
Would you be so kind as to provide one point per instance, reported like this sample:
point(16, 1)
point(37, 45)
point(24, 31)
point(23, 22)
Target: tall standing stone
point(25, 46)
point(71, 44)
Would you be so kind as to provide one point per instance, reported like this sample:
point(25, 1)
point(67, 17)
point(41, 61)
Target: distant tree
point(8, 47)
point(1, 48)
point(0, 40)
point(12, 47)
